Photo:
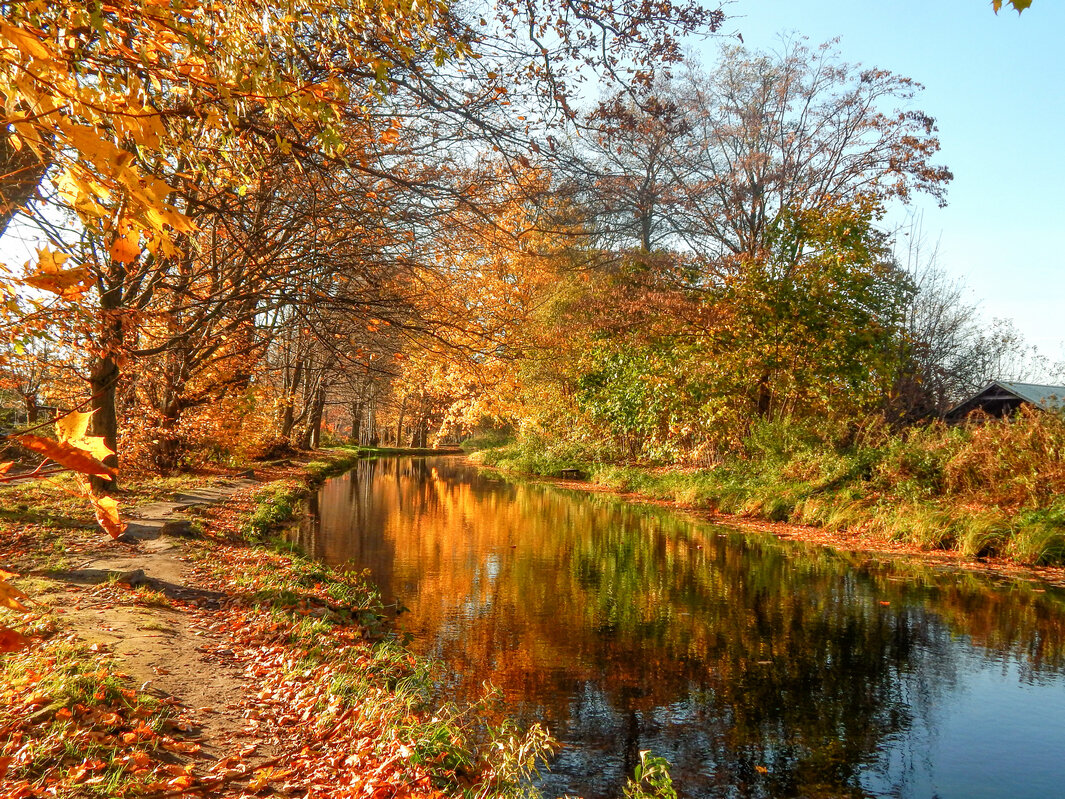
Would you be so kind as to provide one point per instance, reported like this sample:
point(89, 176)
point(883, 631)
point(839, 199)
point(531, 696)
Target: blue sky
point(996, 87)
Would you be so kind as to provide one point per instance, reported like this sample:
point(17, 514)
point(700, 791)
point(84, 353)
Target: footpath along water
point(758, 668)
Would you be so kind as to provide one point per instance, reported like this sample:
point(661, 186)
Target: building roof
point(1050, 397)
point(1000, 394)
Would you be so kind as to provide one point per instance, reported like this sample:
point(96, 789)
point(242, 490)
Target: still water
point(757, 668)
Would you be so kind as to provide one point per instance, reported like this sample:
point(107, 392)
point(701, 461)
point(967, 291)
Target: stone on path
point(157, 519)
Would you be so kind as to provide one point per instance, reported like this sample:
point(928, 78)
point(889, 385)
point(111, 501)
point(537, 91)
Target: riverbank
point(900, 500)
point(202, 656)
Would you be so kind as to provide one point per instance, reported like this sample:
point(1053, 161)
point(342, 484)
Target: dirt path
point(142, 603)
point(142, 608)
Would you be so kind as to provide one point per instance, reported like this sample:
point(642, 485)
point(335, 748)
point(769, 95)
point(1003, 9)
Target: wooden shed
point(1001, 398)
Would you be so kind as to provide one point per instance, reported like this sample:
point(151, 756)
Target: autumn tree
point(187, 104)
point(739, 210)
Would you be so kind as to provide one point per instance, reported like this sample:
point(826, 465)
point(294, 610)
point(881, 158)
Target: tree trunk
point(370, 431)
point(168, 450)
point(399, 422)
point(102, 381)
point(31, 408)
point(356, 421)
point(765, 395)
point(313, 430)
point(21, 171)
point(288, 419)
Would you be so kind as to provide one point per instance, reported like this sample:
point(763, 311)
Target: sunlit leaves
point(50, 273)
point(10, 596)
point(73, 429)
point(10, 641)
point(1020, 5)
point(65, 455)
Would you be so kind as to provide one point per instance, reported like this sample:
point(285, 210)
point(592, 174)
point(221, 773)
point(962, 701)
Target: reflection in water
point(757, 668)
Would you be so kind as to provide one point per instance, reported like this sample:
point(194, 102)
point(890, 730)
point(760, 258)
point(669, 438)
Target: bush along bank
point(989, 488)
point(223, 666)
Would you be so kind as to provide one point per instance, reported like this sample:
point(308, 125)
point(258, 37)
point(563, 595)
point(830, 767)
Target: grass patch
point(988, 488)
point(72, 725)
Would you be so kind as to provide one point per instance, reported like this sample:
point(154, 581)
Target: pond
point(758, 668)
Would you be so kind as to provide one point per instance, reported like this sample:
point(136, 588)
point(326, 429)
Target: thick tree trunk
point(288, 419)
point(103, 380)
point(21, 171)
point(168, 450)
point(765, 395)
point(102, 383)
point(356, 421)
point(422, 434)
point(312, 432)
point(31, 408)
point(369, 432)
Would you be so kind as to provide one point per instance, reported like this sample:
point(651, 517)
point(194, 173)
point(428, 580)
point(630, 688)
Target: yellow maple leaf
point(125, 249)
point(72, 426)
point(107, 517)
point(10, 597)
point(73, 429)
point(49, 274)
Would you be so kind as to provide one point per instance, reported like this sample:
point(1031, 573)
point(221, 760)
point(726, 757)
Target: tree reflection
point(758, 668)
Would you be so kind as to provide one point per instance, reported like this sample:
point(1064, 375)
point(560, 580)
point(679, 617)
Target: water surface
point(757, 668)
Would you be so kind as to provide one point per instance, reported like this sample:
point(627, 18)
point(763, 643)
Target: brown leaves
point(11, 641)
point(10, 597)
point(106, 510)
point(84, 454)
point(1020, 5)
point(50, 274)
point(66, 455)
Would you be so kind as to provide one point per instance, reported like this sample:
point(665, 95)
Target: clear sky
point(996, 87)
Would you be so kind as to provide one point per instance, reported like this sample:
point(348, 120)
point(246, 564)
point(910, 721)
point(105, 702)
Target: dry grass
point(991, 487)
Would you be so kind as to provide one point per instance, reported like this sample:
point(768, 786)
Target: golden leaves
point(124, 248)
point(73, 427)
point(10, 597)
point(83, 454)
point(51, 275)
point(72, 430)
point(65, 455)
point(106, 510)
point(25, 42)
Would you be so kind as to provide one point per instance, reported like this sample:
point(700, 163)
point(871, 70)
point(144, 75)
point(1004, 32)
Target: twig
point(11, 478)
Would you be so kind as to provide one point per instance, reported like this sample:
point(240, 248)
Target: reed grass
point(990, 487)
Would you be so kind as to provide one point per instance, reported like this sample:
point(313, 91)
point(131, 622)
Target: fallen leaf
point(186, 747)
point(11, 641)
